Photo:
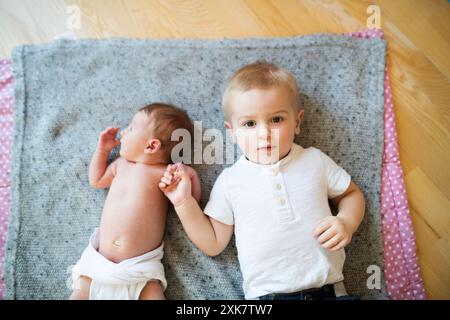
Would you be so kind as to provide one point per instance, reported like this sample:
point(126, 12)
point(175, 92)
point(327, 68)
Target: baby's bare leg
point(152, 291)
point(81, 291)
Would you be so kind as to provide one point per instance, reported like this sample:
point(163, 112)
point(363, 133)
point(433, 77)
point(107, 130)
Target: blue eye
point(249, 124)
point(277, 119)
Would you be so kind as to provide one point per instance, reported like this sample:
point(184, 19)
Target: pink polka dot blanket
point(401, 274)
point(401, 266)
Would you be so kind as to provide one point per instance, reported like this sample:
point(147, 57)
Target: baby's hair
point(164, 119)
point(260, 75)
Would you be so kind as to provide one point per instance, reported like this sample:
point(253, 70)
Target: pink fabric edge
point(6, 132)
point(401, 268)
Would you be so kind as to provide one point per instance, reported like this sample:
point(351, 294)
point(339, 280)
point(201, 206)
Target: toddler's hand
point(176, 183)
point(332, 233)
point(107, 139)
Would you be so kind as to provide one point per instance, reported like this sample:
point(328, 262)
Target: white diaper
point(118, 281)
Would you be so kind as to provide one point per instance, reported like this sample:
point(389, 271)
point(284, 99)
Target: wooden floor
point(418, 35)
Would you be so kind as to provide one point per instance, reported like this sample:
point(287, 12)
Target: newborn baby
point(123, 258)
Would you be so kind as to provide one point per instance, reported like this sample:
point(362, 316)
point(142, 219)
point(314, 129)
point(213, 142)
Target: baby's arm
point(101, 176)
point(335, 232)
point(208, 234)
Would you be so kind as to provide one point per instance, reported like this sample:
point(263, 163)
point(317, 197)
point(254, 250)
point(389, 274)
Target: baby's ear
point(152, 146)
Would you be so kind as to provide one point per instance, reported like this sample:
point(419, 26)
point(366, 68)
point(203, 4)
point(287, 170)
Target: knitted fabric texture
point(66, 92)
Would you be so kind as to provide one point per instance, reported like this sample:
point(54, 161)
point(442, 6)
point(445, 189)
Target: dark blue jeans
point(324, 293)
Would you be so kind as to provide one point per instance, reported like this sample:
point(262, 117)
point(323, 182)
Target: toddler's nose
point(264, 132)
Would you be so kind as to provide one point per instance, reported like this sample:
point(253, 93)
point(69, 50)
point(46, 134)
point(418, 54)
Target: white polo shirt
point(275, 209)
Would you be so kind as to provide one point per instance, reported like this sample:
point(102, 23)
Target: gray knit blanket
point(66, 92)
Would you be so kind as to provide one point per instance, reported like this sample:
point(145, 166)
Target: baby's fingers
point(110, 130)
point(168, 175)
point(166, 181)
point(162, 185)
point(109, 133)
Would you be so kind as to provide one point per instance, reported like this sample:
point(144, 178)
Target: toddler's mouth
point(266, 148)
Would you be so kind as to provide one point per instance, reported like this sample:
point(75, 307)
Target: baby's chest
point(136, 179)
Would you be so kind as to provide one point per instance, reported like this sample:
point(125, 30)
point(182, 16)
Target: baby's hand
point(107, 139)
point(176, 183)
point(332, 233)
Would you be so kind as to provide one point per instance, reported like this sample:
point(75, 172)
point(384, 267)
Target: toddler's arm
point(195, 180)
point(208, 234)
point(351, 206)
point(99, 176)
point(335, 232)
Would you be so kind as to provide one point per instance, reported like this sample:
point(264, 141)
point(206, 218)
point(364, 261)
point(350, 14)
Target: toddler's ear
point(152, 146)
point(230, 130)
point(298, 121)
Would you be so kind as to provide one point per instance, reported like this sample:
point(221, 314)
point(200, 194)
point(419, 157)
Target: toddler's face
point(264, 123)
point(135, 137)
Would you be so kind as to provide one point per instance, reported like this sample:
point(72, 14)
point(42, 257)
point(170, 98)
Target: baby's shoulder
point(158, 170)
point(119, 162)
point(154, 169)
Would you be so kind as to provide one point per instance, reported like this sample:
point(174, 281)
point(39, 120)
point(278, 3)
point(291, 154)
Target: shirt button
point(282, 201)
point(278, 186)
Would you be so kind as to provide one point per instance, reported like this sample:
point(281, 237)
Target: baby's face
point(264, 123)
point(135, 137)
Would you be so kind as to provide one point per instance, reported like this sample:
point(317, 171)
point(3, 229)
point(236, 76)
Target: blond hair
point(164, 119)
point(260, 75)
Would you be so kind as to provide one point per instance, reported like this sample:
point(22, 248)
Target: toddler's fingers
point(176, 180)
point(327, 235)
point(180, 174)
point(322, 227)
point(170, 169)
point(339, 246)
point(332, 242)
point(179, 167)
